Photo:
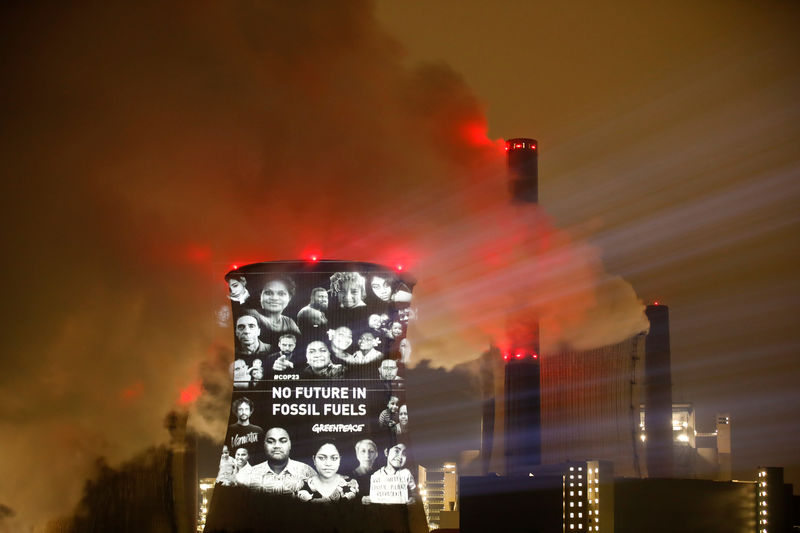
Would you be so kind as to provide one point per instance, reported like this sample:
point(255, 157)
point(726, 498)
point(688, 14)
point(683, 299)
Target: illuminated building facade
point(696, 455)
point(576, 496)
point(723, 441)
point(438, 488)
point(771, 512)
point(588, 496)
point(206, 488)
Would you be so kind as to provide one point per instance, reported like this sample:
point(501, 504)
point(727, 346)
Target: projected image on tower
point(318, 409)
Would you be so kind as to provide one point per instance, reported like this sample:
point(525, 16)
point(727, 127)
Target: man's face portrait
point(243, 412)
point(286, 345)
point(396, 456)
point(247, 330)
point(388, 369)
point(321, 300)
point(277, 444)
point(241, 457)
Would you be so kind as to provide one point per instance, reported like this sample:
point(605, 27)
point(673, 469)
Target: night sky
point(149, 147)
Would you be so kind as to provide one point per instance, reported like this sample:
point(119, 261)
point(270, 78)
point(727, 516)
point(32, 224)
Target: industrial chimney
point(523, 169)
point(523, 438)
point(658, 393)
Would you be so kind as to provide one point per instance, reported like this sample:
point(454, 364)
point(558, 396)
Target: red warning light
point(399, 267)
point(505, 357)
point(536, 356)
point(190, 393)
point(314, 258)
point(519, 355)
point(518, 145)
point(655, 302)
point(533, 146)
point(235, 267)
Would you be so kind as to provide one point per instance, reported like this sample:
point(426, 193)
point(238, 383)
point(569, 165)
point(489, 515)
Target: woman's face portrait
point(242, 457)
point(381, 289)
point(366, 454)
point(326, 461)
point(317, 355)
point(275, 297)
point(235, 287)
point(402, 415)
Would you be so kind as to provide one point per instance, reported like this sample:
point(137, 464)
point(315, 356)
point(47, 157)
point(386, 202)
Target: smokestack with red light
point(523, 438)
point(658, 393)
point(523, 169)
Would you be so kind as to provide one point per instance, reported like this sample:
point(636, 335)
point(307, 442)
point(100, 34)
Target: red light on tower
point(655, 302)
point(314, 258)
point(190, 393)
point(519, 355)
point(536, 356)
point(234, 267)
point(399, 267)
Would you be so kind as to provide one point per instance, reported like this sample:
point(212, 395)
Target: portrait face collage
point(318, 410)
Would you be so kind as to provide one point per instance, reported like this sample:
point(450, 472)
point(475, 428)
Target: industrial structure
point(438, 488)
point(590, 440)
point(522, 394)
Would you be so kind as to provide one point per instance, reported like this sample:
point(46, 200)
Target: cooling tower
point(590, 402)
point(319, 435)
